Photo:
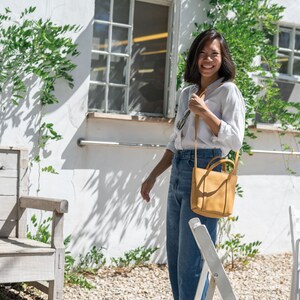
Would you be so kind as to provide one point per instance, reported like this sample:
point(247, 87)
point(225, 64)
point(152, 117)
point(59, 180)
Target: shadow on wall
point(109, 210)
point(272, 163)
point(197, 11)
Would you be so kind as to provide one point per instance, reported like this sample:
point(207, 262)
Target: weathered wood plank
point(40, 285)
point(8, 160)
point(56, 286)
point(8, 228)
point(23, 191)
point(48, 204)
point(8, 173)
point(24, 267)
point(8, 207)
point(25, 246)
point(8, 186)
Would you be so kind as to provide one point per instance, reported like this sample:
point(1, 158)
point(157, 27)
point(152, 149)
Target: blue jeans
point(184, 258)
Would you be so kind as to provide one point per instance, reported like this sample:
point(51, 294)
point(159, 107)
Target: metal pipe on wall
point(82, 142)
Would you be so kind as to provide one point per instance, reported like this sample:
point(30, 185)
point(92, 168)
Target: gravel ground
point(265, 278)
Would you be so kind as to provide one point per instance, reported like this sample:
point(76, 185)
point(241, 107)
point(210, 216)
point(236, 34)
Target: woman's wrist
point(152, 177)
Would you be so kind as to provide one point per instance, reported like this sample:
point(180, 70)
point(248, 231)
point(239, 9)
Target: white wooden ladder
point(212, 266)
point(295, 236)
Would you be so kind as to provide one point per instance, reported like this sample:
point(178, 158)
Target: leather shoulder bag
point(213, 192)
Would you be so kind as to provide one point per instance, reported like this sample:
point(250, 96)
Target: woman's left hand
point(197, 104)
point(198, 107)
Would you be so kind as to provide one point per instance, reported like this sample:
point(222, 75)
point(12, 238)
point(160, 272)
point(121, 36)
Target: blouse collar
point(211, 87)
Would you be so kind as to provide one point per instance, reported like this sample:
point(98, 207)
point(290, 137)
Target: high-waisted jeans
point(184, 258)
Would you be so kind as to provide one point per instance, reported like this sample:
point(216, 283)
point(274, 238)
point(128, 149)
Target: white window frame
point(290, 51)
point(171, 61)
point(283, 77)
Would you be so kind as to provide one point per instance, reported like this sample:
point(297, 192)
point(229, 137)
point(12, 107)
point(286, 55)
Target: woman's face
point(210, 60)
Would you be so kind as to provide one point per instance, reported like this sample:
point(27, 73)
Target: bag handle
point(214, 158)
point(222, 161)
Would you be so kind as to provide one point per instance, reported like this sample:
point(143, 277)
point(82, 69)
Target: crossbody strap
point(196, 129)
point(234, 171)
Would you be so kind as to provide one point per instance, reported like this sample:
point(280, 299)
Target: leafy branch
point(42, 51)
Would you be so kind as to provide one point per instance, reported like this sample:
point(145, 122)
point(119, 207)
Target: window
point(287, 40)
point(288, 43)
point(130, 57)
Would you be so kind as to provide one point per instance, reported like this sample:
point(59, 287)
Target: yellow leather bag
point(213, 192)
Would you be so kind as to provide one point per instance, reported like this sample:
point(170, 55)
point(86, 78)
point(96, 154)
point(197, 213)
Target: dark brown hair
point(227, 69)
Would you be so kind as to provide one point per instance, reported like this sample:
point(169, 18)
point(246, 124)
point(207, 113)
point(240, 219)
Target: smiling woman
point(221, 109)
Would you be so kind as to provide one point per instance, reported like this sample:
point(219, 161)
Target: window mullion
point(292, 47)
point(109, 56)
point(112, 54)
point(114, 23)
point(173, 59)
point(128, 69)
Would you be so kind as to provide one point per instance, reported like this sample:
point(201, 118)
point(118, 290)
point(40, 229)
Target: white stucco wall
point(269, 189)
point(102, 183)
point(291, 12)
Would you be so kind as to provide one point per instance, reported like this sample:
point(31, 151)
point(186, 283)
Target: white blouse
point(227, 103)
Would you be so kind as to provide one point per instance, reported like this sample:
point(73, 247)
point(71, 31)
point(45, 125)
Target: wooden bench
point(22, 259)
point(212, 267)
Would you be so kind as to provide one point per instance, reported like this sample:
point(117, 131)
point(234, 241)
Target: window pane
point(297, 41)
point(286, 89)
point(270, 39)
point(100, 37)
point(148, 58)
point(97, 97)
point(119, 40)
point(102, 8)
point(117, 70)
point(283, 60)
point(284, 39)
point(296, 70)
point(116, 99)
point(121, 11)
point(98, 67)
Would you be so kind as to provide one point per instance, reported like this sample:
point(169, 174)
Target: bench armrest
point(48, 204)
point(58, 207)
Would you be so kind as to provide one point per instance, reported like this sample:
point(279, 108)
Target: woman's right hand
point(163, 164)
point(146, 187)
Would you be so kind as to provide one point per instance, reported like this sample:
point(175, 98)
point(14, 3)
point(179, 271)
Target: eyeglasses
point(182, 121)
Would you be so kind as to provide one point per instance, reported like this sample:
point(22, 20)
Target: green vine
point(39, 50)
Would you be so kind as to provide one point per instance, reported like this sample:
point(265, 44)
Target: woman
point(210, 69)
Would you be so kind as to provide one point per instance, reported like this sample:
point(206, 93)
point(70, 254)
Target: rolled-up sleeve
point(232, 127)
point(171, 145)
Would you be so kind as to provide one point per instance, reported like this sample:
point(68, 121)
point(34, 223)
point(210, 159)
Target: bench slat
point(8, 160)
point(8, 186)
point(30, 267)
point(16, 246)
point(8, 228)
point(8, 205)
